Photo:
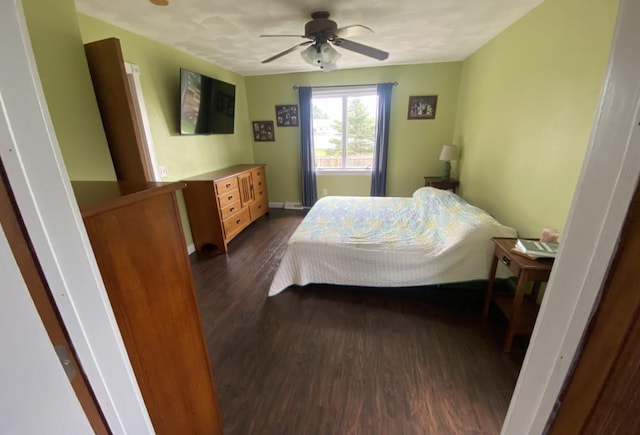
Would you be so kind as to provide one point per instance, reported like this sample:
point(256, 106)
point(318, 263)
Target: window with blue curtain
point(344, 130)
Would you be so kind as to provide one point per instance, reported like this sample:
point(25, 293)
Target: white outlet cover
point(163, 171)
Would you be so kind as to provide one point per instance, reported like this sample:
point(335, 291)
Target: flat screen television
point(207, 105)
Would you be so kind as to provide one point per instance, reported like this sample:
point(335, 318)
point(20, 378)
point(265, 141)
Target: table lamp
point(449, 152)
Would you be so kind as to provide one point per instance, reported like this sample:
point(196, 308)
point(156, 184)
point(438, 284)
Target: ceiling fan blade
point(287, 51)
point(353, 30)
point(361, 48)
point(286, 36)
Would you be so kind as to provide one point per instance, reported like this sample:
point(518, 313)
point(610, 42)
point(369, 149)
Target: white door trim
point(39, 181)
point(605, 187)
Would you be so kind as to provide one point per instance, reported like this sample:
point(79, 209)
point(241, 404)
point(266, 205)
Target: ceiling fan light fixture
point(328, 67)
point(322, 55)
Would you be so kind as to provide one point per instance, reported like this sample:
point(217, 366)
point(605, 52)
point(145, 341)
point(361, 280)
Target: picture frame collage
point(286, 116)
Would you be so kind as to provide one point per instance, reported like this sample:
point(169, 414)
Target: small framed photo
point(422, 107)
point(263, 131)
point(287, 115)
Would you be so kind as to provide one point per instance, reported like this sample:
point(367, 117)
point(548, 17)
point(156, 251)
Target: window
point(344, 128)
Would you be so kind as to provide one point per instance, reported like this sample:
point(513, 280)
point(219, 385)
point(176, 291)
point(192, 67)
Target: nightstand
point(520, 310)
point(440, 183)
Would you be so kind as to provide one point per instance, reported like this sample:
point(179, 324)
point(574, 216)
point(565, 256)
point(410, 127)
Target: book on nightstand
point(536, 249)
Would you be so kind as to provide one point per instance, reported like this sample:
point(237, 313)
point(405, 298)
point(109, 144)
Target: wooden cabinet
point(117, 110)
point(520, 309)
point(440, 183)
point(136, 235)
point(222, 203)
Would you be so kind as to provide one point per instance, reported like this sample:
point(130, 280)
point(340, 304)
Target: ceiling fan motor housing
point(321, 26)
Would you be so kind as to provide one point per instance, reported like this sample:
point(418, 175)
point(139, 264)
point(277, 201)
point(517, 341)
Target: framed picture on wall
point(422, 107)
point(287, 115)
point(263, 131)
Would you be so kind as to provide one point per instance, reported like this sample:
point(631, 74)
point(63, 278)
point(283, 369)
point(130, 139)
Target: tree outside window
point(344, 130)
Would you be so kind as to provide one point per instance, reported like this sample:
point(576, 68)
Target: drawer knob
point(506, 260)
point(260, 206)
point(232, 209)
point(237, 221)
point(230, 197)
point(228, 185)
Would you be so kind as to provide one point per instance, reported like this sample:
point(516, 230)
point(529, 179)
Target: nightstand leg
point(490, 282)
point(515, 311)
point(535, 290)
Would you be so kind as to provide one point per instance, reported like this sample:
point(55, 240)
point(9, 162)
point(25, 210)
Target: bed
point(434, 237)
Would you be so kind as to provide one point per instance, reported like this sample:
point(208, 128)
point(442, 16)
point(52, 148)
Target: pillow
point(430, 193)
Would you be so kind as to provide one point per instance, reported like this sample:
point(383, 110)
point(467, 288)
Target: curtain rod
point(296, 87)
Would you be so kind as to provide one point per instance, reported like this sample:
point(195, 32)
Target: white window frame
point(344, 92)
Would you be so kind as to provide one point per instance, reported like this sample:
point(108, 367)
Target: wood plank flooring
point(337, 360)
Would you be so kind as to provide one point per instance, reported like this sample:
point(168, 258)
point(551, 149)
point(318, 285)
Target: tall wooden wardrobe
point(136, 233)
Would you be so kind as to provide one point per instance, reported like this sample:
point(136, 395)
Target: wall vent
point(293, 206)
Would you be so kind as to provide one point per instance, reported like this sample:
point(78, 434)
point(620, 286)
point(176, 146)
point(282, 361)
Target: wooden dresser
point(136, 235)
point(222, 203)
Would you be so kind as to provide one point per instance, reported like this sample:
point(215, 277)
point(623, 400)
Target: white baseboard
point(191, 249)
point(287, 205)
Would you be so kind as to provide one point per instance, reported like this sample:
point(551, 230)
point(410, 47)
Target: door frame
point(605, 187)
point(11, 223)
point(32, 378)
point(37, 176)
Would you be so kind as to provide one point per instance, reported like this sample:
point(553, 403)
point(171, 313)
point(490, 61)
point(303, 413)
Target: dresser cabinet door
point(246, 188)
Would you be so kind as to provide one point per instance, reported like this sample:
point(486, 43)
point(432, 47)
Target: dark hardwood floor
point(338, 360)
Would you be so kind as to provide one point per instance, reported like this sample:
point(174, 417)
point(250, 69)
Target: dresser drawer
point(258, 177)
point(257, 174)
point(259, 192)
point(236, 223)
point(259, 184)
point(229, 209)
point(229, 197)
point(226, 185)
point(258, 208)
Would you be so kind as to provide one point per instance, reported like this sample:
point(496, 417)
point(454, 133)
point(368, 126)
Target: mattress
point(434, 237)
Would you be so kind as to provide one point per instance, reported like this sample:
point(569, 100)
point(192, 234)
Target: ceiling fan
point(322, 33)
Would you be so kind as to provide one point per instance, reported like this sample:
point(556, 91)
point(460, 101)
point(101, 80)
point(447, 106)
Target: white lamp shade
point(448, 153)
point(322, 55)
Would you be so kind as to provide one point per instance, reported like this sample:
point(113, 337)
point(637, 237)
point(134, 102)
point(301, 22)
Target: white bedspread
point(435, 237)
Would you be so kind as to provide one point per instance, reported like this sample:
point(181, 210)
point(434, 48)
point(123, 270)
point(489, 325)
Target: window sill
point(363, 172)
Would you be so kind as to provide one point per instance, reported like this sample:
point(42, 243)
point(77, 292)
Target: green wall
point(66, 83)
point(343, 185)
point(414, 146)
point(159, 75)
point(527, 104)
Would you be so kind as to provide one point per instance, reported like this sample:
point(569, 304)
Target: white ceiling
point(226, 33)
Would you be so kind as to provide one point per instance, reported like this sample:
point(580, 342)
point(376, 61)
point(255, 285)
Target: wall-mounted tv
point(207, 105)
